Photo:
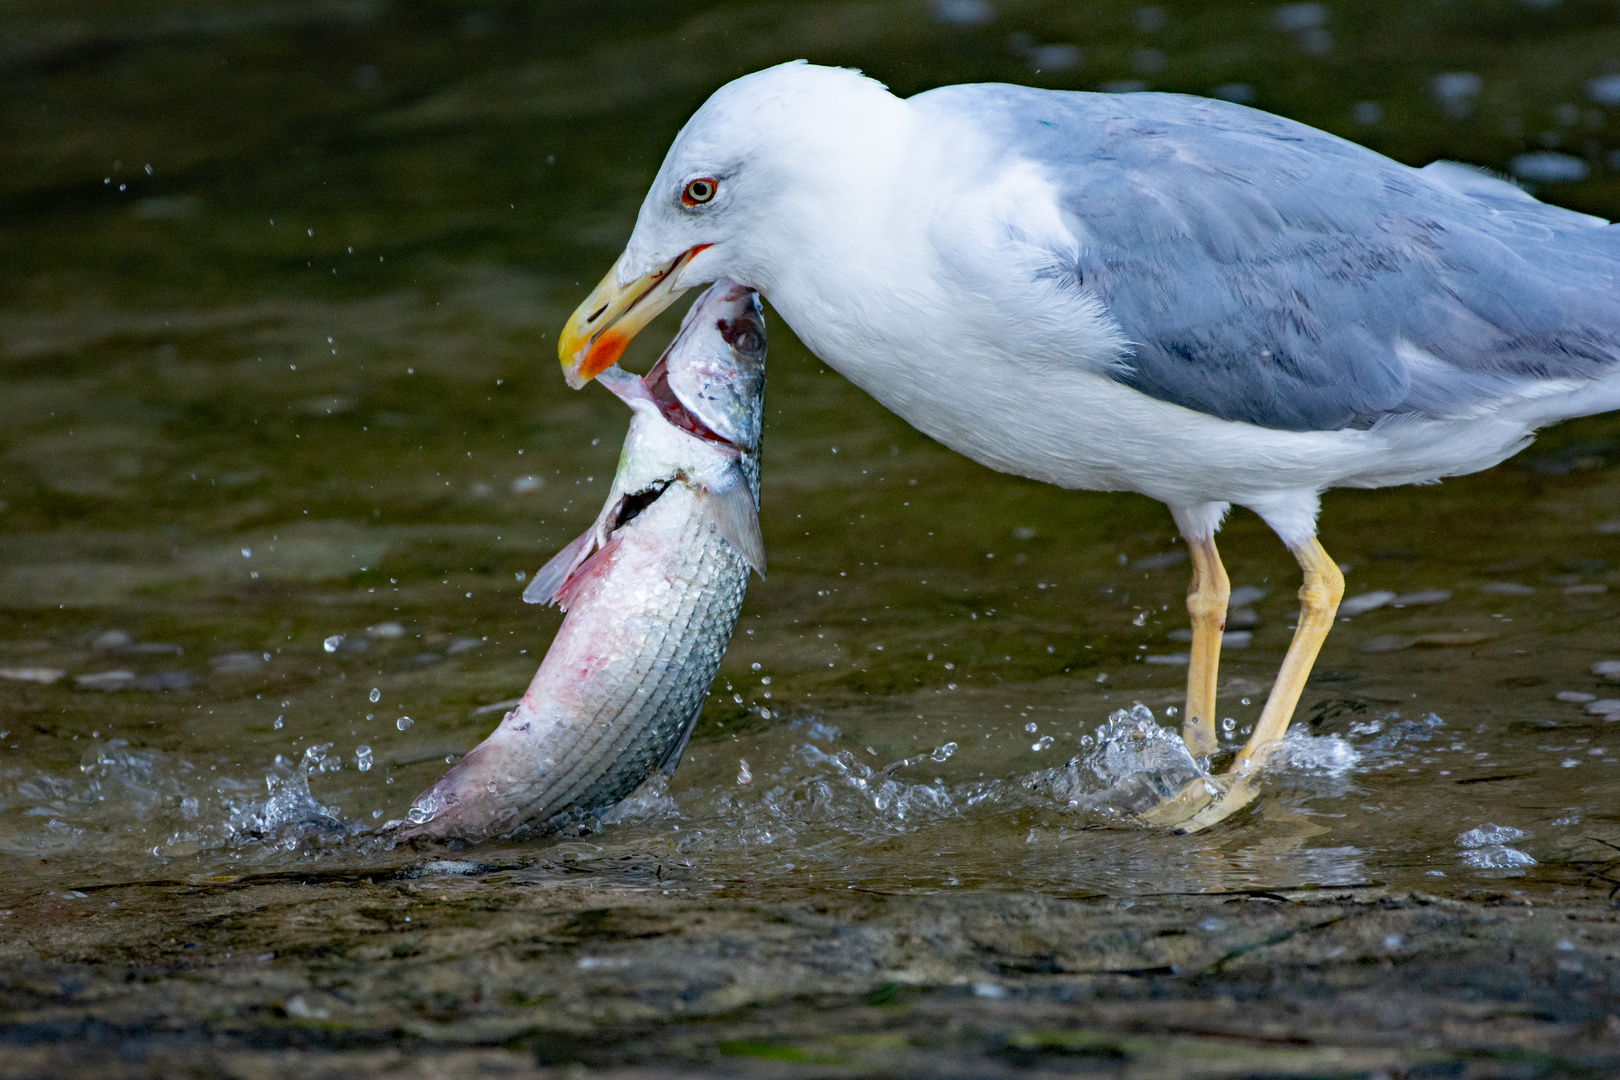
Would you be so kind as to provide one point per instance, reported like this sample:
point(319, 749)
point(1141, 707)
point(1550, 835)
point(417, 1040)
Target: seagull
point(1204, 303)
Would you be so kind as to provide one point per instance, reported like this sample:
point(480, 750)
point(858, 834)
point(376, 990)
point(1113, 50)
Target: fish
point(651, 592)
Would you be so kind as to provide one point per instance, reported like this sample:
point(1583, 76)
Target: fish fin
point(569, 590)
point(550, 578)
point(736, 515)
point(673, 758)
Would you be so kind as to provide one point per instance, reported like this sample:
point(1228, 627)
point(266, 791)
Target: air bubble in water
point(1228, 724)
point(1042, 743)
point(743, 775)
point(362, 758)
point(1032, 726)
point(331, 644)
point(403, 722)
point(277, 724)
point(376, 695)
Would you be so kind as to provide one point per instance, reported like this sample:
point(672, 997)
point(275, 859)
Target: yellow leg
point(1206, 604)
point(1318, 603)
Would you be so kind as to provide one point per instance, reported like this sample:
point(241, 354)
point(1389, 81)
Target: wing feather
point(1268, 272)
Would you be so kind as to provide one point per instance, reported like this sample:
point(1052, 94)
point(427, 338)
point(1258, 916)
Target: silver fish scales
point(652, 591)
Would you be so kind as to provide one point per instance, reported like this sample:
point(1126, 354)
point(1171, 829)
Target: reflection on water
point(281, 437)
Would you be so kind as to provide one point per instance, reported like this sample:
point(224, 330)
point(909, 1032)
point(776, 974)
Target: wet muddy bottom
point(559, 969)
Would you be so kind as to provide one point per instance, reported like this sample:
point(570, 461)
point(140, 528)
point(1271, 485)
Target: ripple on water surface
point(821, 806)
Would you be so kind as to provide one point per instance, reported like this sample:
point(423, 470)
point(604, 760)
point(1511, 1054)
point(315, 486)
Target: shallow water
point(281, 433)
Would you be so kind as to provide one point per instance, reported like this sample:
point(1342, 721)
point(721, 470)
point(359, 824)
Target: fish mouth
point(674, 412)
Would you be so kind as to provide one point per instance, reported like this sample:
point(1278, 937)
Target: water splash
point(1485, 848)
point(126, 801)
point(1131, 765)
point(290, 810)
point(649, 802)
point(1319, 755)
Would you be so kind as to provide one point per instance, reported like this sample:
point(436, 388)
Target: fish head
point(711, 379)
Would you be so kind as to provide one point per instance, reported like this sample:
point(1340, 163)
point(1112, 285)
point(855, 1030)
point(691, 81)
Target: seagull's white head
point(767, 158)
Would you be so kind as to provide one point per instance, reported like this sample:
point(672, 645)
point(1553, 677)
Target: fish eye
point(699, 191)
point(742, 334)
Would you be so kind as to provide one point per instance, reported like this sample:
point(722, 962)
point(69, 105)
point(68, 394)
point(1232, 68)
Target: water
point(282, 436)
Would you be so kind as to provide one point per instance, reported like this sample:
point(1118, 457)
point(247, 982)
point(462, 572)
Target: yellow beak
point(600, 328)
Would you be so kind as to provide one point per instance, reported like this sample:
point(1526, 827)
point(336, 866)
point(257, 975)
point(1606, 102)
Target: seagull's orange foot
point(1184, 804)
point(1240, 793)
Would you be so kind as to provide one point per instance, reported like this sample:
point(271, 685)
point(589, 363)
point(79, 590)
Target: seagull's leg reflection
point(1319, 600)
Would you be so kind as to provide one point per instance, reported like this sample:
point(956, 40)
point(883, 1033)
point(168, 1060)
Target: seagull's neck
point(937, 284)
point(840, 256)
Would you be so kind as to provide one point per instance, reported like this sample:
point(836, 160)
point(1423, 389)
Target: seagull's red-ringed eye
point(699, 191)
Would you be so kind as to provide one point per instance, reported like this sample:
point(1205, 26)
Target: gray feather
point(1268, 272)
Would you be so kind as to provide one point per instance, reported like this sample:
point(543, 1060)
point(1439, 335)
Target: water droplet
point(1042, 743)
point(376, 695)
point(403, 722)
point(755, 665)
point(1228, 724)
point(1032, 726)
point(247, 553)
point(743, 775)
point(331, 644)
point(362, 758)
point(490, 787)
point(278, 723)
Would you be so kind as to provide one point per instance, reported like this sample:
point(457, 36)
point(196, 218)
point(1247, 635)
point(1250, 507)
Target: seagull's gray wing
point(1266, 271)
